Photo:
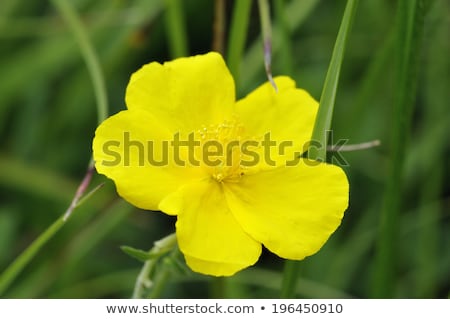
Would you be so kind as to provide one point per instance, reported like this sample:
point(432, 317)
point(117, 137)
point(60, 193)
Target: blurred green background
point(48, 118)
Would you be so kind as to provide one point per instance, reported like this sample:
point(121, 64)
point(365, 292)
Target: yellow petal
point(287, 115)
point(291, 210)
point(184, 94)
point(212, 268)
point(128, 148)
point(208, 234)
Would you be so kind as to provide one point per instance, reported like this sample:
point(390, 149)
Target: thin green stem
point(266, 27)
point(144, 281)
point(83, 199)
point(218, 287)
point(290, 279)
point(27, 255)
point(176, 28)
point(219, 26)
point(295, 14)
point(90, 57)
point(353, 147)
point(238, 36)
point(160, 281)
point(327, 99)
point(409, 35)
point(92, 62)
point(169, 266)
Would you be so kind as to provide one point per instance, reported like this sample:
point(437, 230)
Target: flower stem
point(218, 287)
point(295, 14)
point(89, 55)
point(160, 282)
point(219, 26)
point(143, 281)
point(238, 36)
point(290, 278)
point(266, 26)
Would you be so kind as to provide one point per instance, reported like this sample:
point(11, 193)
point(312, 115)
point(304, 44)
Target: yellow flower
point(170, 151)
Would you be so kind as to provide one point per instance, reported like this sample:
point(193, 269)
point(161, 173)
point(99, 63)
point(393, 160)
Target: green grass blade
point(409, 35)
point(176, 29)
point(219, 26)
point(327, 99)
point(323, 123)
point(238, 36)
point(138, 254)
point(102, 106)
point(290, 278)
point(167, 243)
point(89, 55)
point(24, 258)
point(266, 27)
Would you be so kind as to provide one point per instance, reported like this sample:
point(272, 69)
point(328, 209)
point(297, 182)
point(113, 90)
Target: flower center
point(221, 150)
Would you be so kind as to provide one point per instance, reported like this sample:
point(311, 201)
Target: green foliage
point(327, 99)
point(138, 254)
point(389, 86)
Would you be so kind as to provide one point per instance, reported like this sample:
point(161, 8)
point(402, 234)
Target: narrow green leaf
point(14, 269)
point(219, 25)
point(176, 28)
point(323, 124)
point(327, 99)
point(149, 274)
point(7, 277)
point(290, 278)
point(143, 255)
point(176, 260)
point(238, 36)
point(89, 55)
point(138, 254)
point(88, 195)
